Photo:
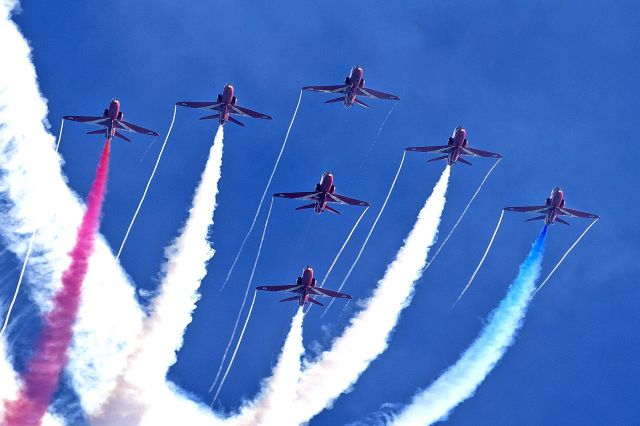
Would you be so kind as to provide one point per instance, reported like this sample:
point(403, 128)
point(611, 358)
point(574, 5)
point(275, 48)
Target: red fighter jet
point(324, 194)
point(305, 287)
point(455, 149)
point(112, 121)
point(553, 207)
point(352, 88)
point(226, 104)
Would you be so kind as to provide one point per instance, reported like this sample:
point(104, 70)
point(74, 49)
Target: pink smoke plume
point(41, 377)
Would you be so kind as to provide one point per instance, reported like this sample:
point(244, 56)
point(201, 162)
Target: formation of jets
point(226, 105)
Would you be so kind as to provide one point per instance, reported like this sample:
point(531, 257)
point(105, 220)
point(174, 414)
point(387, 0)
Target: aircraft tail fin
point(233, 120)
point(308, 206)
point(290, 299)
point(312, 300)
point(331, 209)
point(562, 221)
point(444, 157)
point(330, 101)
point(210, 117)
point(359, 102)
point(121, 136)
point(463, 161)
point(536, 218)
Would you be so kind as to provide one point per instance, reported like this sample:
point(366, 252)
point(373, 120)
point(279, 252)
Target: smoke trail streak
point(473, 197)
point(171, 311)
point(26, 260)
point(43, 370)
point(564, 256)
point(279, 390)
point(264, 193)
point(484, 256)
point(375, 140)
point(35, 196)
point(337, 369)
point(244, 302)
point(235, 351)
point(144, 194)
point(335, 259)
point(461, 380)
point(366, 239)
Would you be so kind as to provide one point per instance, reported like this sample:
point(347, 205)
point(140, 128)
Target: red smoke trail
point(40, 379)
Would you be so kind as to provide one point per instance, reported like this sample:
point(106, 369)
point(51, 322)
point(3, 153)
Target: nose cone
point(115, 101)
point(308, 270)
point(557, 189)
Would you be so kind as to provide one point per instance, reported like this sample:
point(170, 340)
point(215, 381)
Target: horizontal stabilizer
point(462, 160)
point(233, 120)
point(359, 102)
point(562, 221)
point(444, 157)
point(331, 209)
point(536, 218)
point(290, 299)
point(97, 132)
point(340, 99)
point(312, 300)
point(121, 136)
point(210, 117)
point(308, 206)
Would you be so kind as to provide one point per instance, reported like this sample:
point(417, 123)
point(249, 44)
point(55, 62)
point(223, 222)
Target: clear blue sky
point(553, 87)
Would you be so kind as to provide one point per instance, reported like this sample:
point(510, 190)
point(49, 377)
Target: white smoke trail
point(484, 256)
point(564, 256)
point(146, 189)
point(143, 380)
point(269, 408)
point(366, 239)
point(242, 305)
point(35, 197)
point(366, 337)
point(462, 379)
point(473, 197)
point(264, 193)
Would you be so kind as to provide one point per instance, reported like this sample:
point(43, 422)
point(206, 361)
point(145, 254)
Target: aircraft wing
point(200, 105)
point(130, 127)
point(436, 149)
point(249, 113)
point(370, 93)
point(324, 292)
point(341, 199)
point(281, 288)
point(298, 195)
point(99, 121)
point(578, 213)
point(327, 89)
point(480, 153)
point(528, 209)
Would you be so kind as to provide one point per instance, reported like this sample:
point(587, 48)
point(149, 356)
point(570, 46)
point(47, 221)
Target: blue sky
point(553, 87)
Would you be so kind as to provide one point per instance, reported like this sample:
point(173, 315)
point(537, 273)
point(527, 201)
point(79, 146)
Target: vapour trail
point(42, 374)
point(244, 302)
point(28, 160)
point(473, 197)
point(346, 241)
point(366, 239)
point(264, 193)
point(564, 256)
point(26, 260)
point(336, 370)
point(484, 256)
point(171, 310)
point(460, 381)
point(146, 189)
point(279, 390)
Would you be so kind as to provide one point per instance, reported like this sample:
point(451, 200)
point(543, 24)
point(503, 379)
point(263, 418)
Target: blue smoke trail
point(462, 379)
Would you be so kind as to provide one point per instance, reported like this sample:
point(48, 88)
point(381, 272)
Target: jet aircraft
point(305, 287)
point(226, 104)
point(112, 121)
point(552, 209)
point(457, 146)
point(352, 88)
point(324, 194)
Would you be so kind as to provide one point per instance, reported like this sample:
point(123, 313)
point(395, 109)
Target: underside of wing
point(200, 105)
point(280, 288)
point(578, 213)
point(480, 153)
point(341, 199)
point(327, 89)
point(370, 93)
point(528, 209)
point(99, 121)
point(298, 195)
point(330, 293)
point(249, 113)
point(435, 149)
point(130, 127)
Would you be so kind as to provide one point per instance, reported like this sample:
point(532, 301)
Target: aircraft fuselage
point(355, 80)
point(458, 140)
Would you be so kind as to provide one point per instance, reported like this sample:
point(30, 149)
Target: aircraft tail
point(462, 160)
point(444, 157)
point(210, 117)
point(312, 300)
point(359, 102)
point(233, 120)
point(331, 209)
point(308, 206)
point(340, 99)
point(536, 218)
point(562, 221)
point(290, 299)
point(97, 132)
point(121, 136)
